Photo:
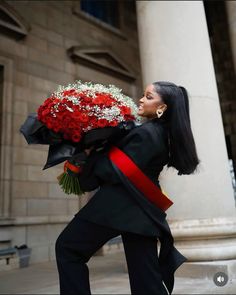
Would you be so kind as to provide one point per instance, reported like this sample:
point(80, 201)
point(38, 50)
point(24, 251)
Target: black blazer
point(146, 145)
point(118, 204)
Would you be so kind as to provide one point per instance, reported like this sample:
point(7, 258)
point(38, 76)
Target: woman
point(119, 208)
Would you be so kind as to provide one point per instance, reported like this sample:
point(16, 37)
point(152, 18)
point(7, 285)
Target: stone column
point(231, 13)
point(174, 46)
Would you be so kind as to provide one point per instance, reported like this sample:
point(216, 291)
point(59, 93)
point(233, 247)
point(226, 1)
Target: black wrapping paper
point(60, 149)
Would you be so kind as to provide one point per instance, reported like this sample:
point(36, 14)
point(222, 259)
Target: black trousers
point(81, 239)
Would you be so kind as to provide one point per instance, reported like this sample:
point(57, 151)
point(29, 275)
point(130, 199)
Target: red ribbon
point(73, 168)
point(138, 178)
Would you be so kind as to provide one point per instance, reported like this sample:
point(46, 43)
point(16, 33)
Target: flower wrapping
point(75, 117)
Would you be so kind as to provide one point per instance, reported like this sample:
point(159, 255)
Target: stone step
point(207, 269)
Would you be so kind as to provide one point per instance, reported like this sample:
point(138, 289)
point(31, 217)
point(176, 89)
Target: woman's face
point(150, 102)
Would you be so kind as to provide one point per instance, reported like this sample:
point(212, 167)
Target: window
point(104, 10)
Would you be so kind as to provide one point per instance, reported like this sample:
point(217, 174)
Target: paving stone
point(107, 276)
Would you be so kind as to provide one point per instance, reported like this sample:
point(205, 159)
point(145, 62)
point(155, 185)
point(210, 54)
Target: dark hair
point(182, 148)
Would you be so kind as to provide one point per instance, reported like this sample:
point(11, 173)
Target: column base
point(208, 244)
point(207, 269)
point(205, 239)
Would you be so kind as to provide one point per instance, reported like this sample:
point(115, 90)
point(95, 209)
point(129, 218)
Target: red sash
point(138, 178)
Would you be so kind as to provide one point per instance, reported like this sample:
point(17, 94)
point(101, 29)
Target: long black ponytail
point(182, 149)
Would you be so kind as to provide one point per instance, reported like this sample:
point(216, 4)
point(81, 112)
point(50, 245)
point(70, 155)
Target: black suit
point(119, 208)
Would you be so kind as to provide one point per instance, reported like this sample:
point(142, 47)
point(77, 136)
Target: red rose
point(61, 108)
point(56, 128)
point(76, 136)
point(108, 103)
point(68, 92)
point(98, 100)
point(113, 123)
point(49, 124)
point(102, 123)
point(129, 117)
point(45, 112)
point(92, 121)
point(83, 117)
point(125, 110)
point(86, 99)
point(73, 125)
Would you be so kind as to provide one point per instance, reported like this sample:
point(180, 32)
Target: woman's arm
point(96, 170)
point(141, 146)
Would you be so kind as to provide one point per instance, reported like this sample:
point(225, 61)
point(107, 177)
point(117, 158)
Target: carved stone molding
point(11, 23)
point(102, 59)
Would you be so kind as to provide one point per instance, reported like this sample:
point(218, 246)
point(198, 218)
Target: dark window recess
point(6, 18)
point(105, 10)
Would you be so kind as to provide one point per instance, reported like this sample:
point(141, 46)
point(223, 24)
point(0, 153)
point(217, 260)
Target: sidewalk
point(107, 276)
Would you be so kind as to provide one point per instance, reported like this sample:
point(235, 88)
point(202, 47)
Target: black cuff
point(78, 159)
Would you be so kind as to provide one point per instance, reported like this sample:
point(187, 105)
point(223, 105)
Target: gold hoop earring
point(159, 113)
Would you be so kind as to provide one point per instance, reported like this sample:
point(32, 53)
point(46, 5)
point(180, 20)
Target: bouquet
point(76, 117)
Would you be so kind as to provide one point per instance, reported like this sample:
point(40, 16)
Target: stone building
point(44, 44)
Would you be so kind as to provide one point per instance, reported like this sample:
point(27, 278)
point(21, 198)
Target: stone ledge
point(203, 228)
point(31, 220)
point(207, 269)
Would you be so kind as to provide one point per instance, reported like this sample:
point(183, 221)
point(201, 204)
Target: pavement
point(108, 275)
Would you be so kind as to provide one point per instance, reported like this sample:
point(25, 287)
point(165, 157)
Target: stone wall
point(37, 210)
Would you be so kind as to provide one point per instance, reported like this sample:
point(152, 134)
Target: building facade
point(44, 44)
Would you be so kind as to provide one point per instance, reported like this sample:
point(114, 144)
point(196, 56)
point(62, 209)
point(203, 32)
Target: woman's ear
point(163, 107)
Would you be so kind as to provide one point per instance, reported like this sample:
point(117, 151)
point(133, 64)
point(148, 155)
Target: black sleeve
point(87, 179)
point(141, 146)
point(96, 171)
